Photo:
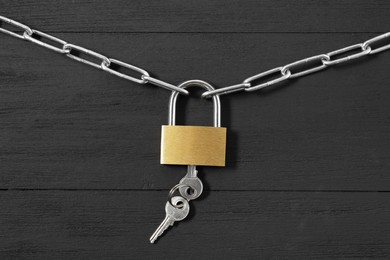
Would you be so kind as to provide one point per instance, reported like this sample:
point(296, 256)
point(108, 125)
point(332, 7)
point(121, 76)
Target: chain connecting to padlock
point(282, 73)
point(194, 145)
point(62, 47)
point(316, 63)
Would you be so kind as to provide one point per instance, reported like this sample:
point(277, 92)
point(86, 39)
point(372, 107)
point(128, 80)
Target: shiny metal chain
point(283, 73)
point(67, 48)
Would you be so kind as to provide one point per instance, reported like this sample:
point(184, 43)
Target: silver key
point(173, 214)
point(195, 184)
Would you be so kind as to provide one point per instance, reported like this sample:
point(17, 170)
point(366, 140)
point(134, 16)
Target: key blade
point(191, 171)
point(192, 183)
point(167, 222)
point(172, 214)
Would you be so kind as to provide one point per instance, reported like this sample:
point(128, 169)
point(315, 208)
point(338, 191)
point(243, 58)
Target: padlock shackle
point(194, 83)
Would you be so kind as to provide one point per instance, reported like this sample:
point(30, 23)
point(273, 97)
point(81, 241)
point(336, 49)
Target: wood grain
point(65, 124)
point(282, 16)
point(117, 225)
point(307, 161)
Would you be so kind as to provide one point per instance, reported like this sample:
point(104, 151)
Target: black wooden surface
point(308, 162)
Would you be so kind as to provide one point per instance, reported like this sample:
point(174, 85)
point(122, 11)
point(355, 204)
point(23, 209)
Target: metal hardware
point(226, 90)
point(285, 75)
point(172, 214)
point(195, 184)
point(321, 57)
point(364, 52)
point(173, 190)
point(69, 47)
point(326, 59)
point(28, 35)
point(164, 84)
point(193, 145)
point(367, 44)
point(106, 66)
point(202, 84)
point(30, 38)
point(25, 28)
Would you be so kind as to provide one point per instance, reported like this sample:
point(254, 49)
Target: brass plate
point(193, 145)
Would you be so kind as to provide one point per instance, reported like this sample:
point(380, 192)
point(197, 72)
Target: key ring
point(172, 191)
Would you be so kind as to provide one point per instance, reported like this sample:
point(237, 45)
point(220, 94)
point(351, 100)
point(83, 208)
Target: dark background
point(307, 172)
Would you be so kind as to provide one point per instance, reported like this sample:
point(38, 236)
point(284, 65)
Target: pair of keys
point(178, 207)
point(189, 145)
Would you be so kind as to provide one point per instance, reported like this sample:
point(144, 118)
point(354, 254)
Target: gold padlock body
point(193, 145)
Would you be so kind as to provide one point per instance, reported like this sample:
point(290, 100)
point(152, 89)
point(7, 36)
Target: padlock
point(193, 145)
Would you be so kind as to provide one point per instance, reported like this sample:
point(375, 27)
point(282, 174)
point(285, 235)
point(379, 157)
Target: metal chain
point(284, 72)
point(66, 49)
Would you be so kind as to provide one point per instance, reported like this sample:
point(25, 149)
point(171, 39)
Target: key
point(173, 214)
point(191, 179)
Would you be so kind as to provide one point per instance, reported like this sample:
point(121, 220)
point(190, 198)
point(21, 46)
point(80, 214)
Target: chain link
point(326, 60)
point(298, 63)
point(226, 90)
point(285, 72)
point(377, 39)
point(30, 38)
point(67, 48)
point(16, 24)
point(284, 75)
point(106, 66)
point(363, 52)
point(162, 84)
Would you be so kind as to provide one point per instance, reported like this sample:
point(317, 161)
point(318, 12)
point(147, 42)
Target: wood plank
point(307, 174)
point(65, 125)
point(202, 16)
point(117, 225)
